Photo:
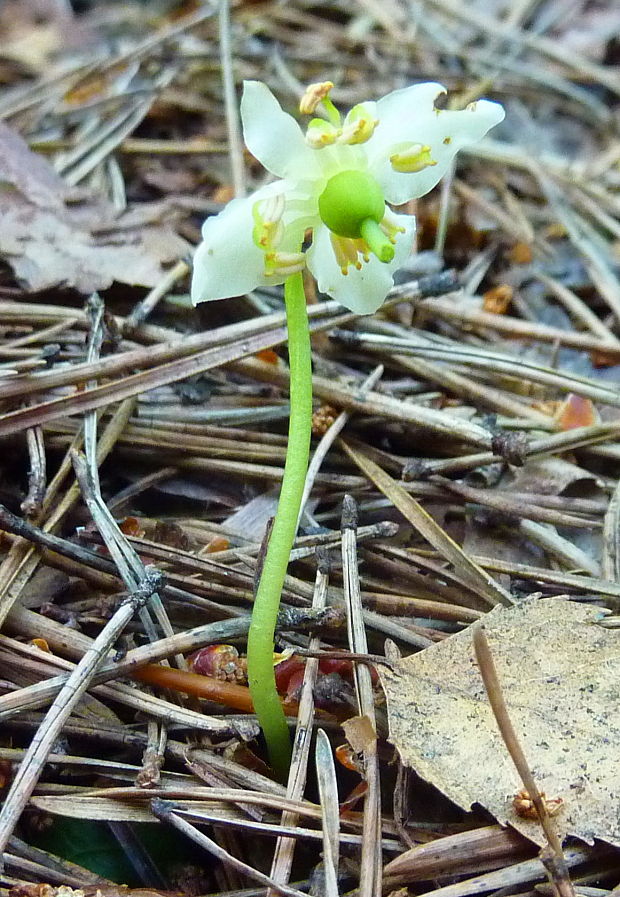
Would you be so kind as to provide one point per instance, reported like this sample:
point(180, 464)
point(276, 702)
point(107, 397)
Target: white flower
point(335, 182)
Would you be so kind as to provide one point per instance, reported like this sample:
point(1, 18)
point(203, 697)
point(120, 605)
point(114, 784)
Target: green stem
point(261, 676)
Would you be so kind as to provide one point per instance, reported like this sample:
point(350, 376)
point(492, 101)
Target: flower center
point(349, 199)
point(352, 206)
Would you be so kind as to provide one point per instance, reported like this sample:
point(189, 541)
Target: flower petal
point(408, 116)
point(273, 136)
point(365, 290)
point(228, 262)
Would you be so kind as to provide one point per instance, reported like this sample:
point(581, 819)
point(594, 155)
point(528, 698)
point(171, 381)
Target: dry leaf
point(554, 476)
point(559, 673)
point(576, 411)
point(53, 236)
point(34, 31)
point(360, 732)
point(472, 852)
point(497, 300)
point(521, 254)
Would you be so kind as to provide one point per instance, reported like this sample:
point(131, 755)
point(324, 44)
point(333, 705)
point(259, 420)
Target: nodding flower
point(337, 183)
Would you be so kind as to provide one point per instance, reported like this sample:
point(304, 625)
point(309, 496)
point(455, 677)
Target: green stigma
point(377, 241)
point(349, 198)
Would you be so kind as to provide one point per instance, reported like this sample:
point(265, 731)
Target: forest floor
point(474, 423)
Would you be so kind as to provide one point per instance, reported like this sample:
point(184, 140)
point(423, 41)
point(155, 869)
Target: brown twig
point(36, 756)
point(371, 863)
point(553, 857)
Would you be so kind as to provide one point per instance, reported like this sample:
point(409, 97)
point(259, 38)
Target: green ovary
point(349, 199)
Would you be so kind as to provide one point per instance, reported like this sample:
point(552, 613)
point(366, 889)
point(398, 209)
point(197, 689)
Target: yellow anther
point(315, 94)
point(359, 125)
point(267, 234)
point(348, 251)
point(390, 228)
point(415, 157)
point(284, 264)
point(268, 228)
point(321, 133)
point(358, 131)
point(341, 260)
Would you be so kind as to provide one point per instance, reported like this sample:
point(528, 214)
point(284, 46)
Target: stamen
point(390, 228)
point(414, 158)
point(268, 228)
point(359, 126)
point(339, 251)
point(272, 208)
point(283, 264)
point(356, 249)
point(391, 232)
point(347, 252)
point(269, 232)
point(314, 95)
point(321, 133)
point(331, 112)
point(318, 94)
point(357, 132)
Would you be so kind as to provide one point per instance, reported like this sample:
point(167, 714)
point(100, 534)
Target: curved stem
point(261, 677)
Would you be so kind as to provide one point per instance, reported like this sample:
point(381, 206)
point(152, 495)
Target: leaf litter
point(558, 670)
point(52, 236)
point(479, 440)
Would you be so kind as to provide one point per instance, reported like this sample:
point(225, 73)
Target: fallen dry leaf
point(472, 852)
point(33, 31)
point(521, 254)
point(576, 411)
point(360, 732)
point(555, 476)
point(54, 236)
point(559, 673)
point(497, 300)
